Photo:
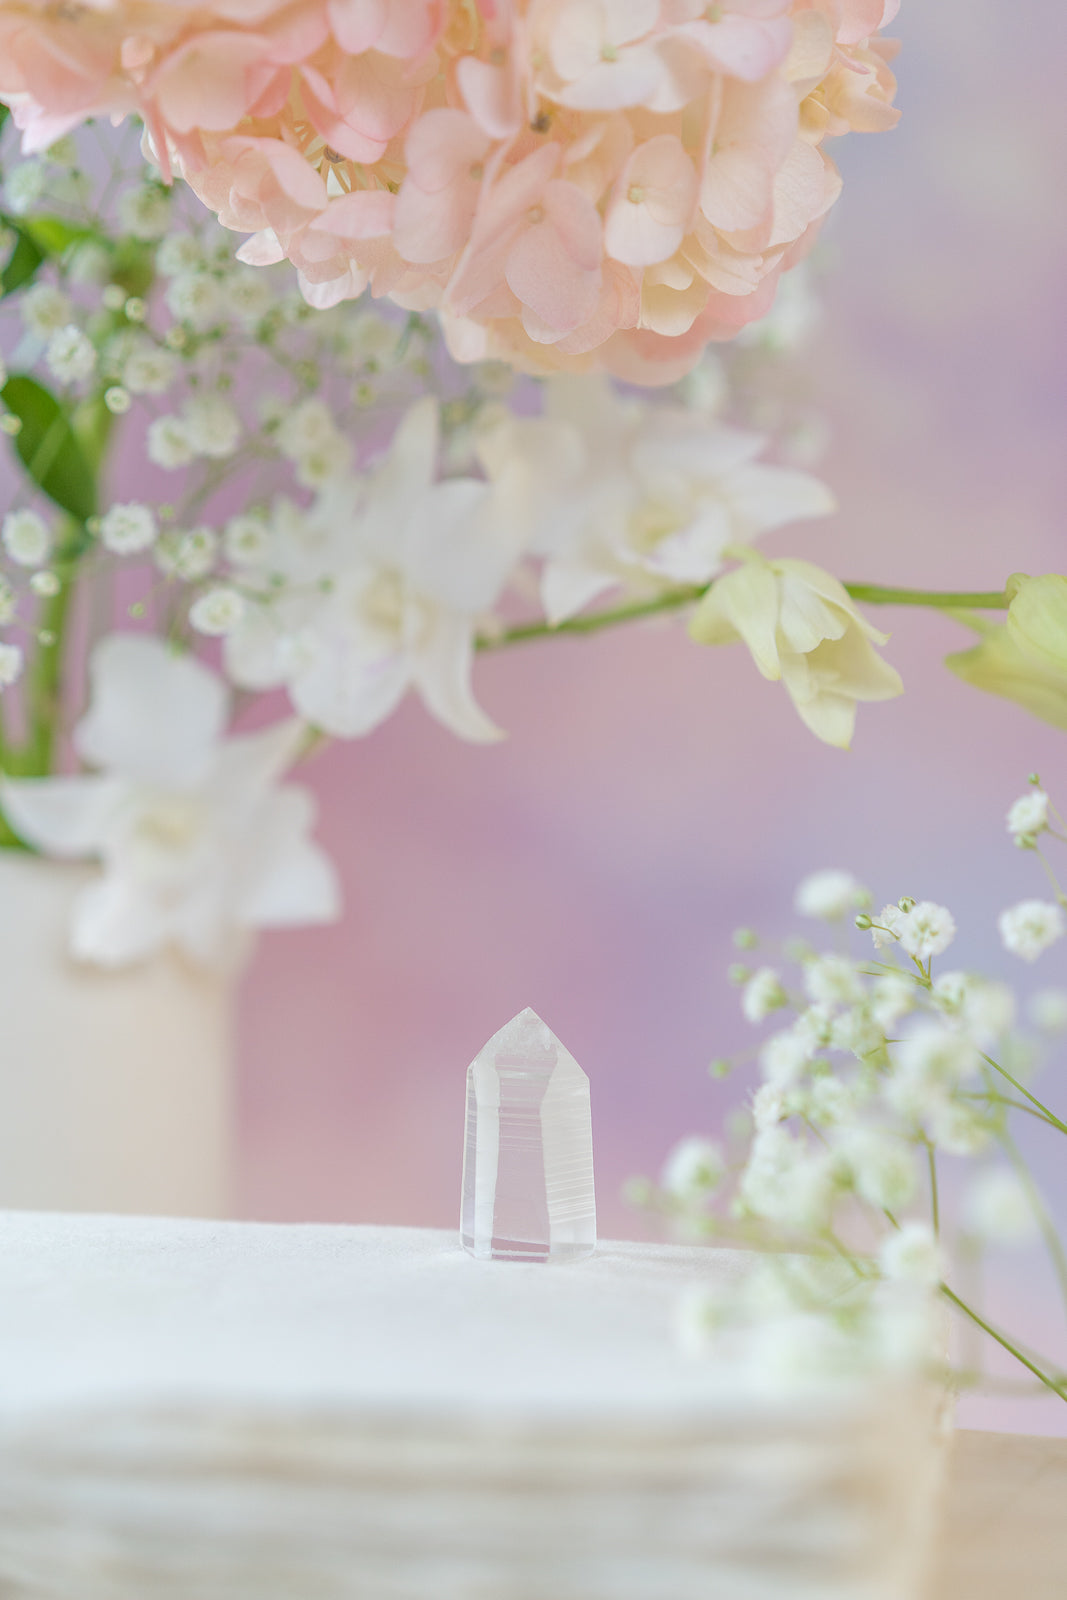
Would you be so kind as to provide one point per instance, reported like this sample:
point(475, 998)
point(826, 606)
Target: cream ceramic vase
point(115, 1087)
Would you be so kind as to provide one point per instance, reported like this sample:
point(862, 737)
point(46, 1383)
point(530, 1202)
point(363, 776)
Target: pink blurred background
point(652, 797)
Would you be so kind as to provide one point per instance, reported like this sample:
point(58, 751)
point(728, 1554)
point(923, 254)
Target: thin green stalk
point(1049, 1116)
point(1004, 1342)
point(1053, 1243)
point(675, 599)
point(935, 1199)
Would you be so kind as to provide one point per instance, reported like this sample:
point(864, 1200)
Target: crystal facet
point(528, 1159)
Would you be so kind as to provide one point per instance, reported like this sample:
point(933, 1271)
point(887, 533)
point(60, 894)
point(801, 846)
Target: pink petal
point(544, 276)
point(491, 95)
point(740, 47)
point(206, 83)
point(364, 214)
point(441, 147)
point(356, 24)
point(577, 222)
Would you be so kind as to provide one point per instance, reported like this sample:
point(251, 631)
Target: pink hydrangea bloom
point(571, 183)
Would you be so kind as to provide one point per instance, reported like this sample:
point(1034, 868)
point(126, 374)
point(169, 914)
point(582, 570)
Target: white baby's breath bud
point(147, 369)
point(195, 298)
point(911, 1255)
point(746, 939)
point(832, 980)
point(167, 443)
point(212, 426)
point(881, 1168)
point(885, 929)
point(113, 297)
point(8, 602)
point(956, 1127)
point(694, 1168)
point(936, 1056)
point(26, 537)
point(89, 264)
point(1029, 928)
point(891, 999)
point(118, 400)
point(1048, 1011)
point(770, 1104)
point(815, 1027)
point(998, 1209)
point(857, 1032)
point(44, 309)
point(248, 293)
point(1028, 816)
point(927, 930)
point(179, 253)
point(762, 994)
point(136, 309)
point(218, 612)
point(23, 186)
point(784, 1057)
point(190, 555)
point(145, 212)
point(830, 895)
point(246, 540)
point(829, 1102)
point(309, 427)
point(10, 665)
point(10, 425)
point(127, 530)
point(69, 356)
point(46, 584)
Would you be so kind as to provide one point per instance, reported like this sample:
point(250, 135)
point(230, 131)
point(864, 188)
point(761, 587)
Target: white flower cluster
point(877, 1069)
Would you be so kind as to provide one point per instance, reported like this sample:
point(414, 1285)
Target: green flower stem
point(675, 599)
point(968, 1311)
point(1034, 1101)
point(873, 594)
point(935, 1199)
point(594, 621)
point(1053, 1243)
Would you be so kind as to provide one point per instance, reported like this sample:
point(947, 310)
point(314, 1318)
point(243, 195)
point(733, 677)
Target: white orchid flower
point(641, 496)
point(196, 841)
point(801, 627)
point(420, 561)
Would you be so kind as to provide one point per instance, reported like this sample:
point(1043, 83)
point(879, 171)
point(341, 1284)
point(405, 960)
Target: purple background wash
point(652, 796)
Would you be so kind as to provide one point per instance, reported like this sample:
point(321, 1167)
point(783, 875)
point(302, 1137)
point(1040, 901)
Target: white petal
point(768, 497)
point(442, 673)
point(251, 764)
point(253, 650)
point(457, 550)
point(294, 881)
point(65, 817)
point(154, 716)
point(568, 586)
point(343, 690)
point(114, 924)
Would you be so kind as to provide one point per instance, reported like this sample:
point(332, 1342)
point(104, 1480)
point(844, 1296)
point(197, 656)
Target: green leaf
point(48, 447)
point(52, 235)
point(23, 261)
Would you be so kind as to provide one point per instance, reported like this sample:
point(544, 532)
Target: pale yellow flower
point(1000, 666)
point(1037, 617)
point(801, 627)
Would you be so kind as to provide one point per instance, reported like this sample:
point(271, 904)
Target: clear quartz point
point(528, 1158)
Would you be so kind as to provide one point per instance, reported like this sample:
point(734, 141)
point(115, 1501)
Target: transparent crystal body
point(528, 1158)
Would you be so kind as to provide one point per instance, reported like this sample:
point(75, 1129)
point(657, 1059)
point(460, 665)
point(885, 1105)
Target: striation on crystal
point(528, 1157)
